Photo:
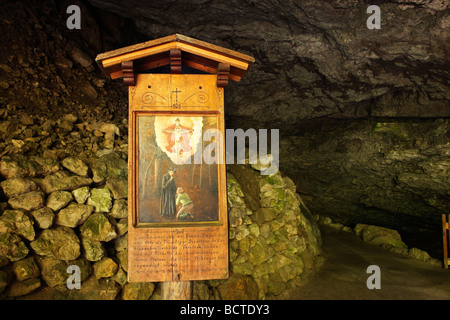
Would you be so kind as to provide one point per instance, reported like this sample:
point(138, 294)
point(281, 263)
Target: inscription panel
point(178, 255)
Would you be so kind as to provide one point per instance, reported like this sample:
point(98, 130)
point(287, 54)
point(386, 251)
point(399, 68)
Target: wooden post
point(180, 290)
point(445, 226)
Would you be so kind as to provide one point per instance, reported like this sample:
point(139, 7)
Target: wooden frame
point(175, 250)
point(150, 191)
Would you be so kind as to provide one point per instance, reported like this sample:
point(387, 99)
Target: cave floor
point(343, 275)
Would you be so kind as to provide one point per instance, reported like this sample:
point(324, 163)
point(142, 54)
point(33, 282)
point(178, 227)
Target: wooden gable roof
point(160, 52)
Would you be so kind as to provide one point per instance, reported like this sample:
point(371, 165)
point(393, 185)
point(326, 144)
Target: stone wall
point(64, 202)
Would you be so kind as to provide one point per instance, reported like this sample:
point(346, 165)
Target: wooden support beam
point(128, 73)
point(175, 61)
point(176, 290)
point(223, 72)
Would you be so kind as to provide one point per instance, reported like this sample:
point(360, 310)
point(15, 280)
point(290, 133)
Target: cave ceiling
point(316, 59)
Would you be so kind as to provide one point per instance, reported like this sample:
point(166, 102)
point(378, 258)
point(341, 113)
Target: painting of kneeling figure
point(175, 185)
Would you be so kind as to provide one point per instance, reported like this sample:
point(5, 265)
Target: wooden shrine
point(177, 198)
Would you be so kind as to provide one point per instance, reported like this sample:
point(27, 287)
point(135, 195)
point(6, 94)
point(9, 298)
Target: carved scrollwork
point(150, 97)
point(198, 97)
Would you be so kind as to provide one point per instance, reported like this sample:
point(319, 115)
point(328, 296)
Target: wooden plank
point(241, 64)
point(181, 290)
point(173, 38)
point(106, 63)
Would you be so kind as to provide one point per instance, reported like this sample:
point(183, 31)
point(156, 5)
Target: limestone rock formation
point(317, 59)
point(388, 174)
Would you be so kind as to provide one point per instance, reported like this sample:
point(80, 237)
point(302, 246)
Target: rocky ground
point(345, 273)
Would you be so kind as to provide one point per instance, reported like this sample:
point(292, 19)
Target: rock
point(76, 166)
point(109, 165)
point(119, 209)
point(110, 131)
point(66, 125)
point(122, 227)
point(89, 90)
point(19, 166)
point(99, 227)
point(15, 186)
point(59, 242)
point(58, 200)
point(12, 247)
point(118, 187)
point(26, 269)
point(54, 271)
point(267, 167)
point(260, 252)
point(43, 217)
point(62, 180)
point(137, 291)
point(74, 215)
point(45, 166)
point(123, 259)
point(418, 254)
point(238, 287)
point(28, 201)
point(97, 289)
point(105, 268)
point(120, 277)
point(81, 194)
point(21, 288)
point(16, 221)
point(71, 118)
point(3, 280)
point(80, 57)
point(15, 168)
point(121, 243)
point(27, 120)
point(379, 235)
point(100, 199)
point(93, 250)
point(3, 261)
point(264, 215)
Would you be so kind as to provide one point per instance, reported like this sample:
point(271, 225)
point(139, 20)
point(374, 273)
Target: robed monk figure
point(168, 194)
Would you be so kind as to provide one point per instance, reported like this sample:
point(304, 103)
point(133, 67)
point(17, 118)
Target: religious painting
point(175, 185)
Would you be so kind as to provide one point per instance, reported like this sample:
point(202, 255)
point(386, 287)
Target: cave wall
point(317, 58)
point(390, 173)
point(362, 113)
